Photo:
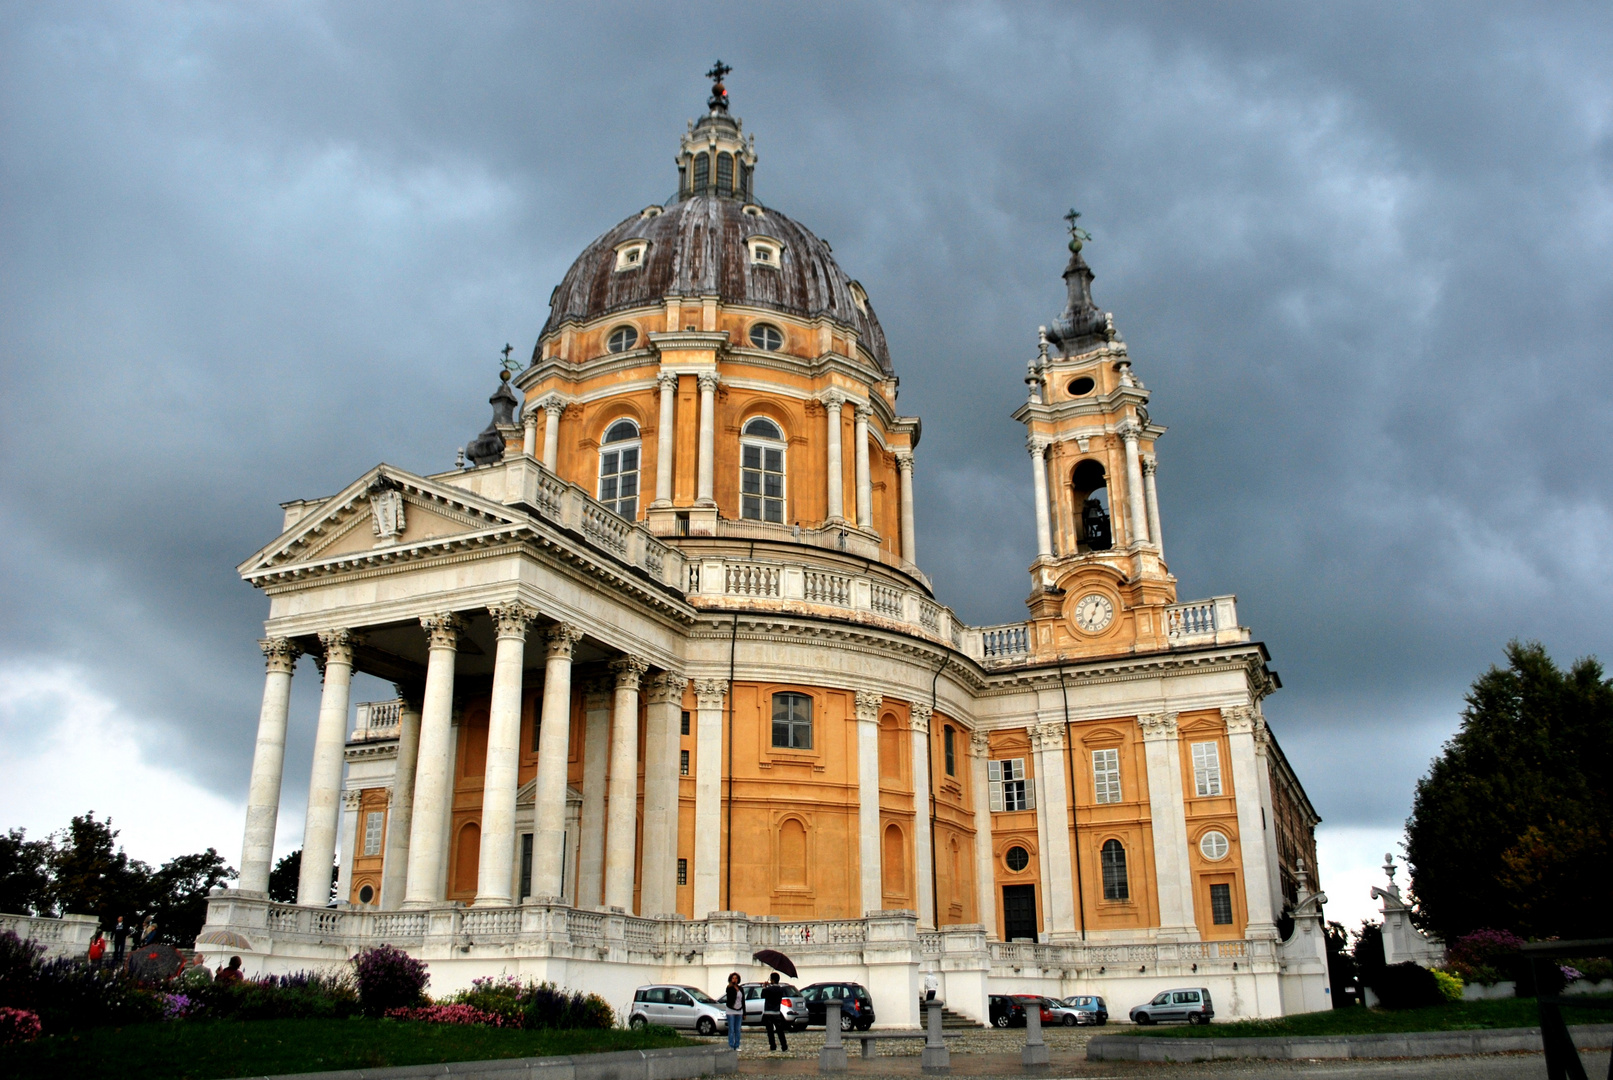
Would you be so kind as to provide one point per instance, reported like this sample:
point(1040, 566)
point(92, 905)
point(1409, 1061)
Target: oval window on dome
point(1082, 386)
point(1213, 845)
point(767, 336)
point(1017, 858)
point(621, 339)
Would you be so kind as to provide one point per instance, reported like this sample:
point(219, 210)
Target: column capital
point(864, 411)
point(351, 800)
point(667, 381)
point(512, 618)
point(904, 461)
point(666, 688)
point(529, 416)
point(279, 654)
point(339, 644)
point(629, 670)
point(1150, 464)
point(709, 693)
point(1240, 719)
point(1157, 725)
point(708, 380)
point(980, 744)
point(1047, 736)
point(1036, 447)
point(442, 629)
point(562, 637)
point(919, 716)
point(832, 399)
point(554, 405)
point(1129, 430)
point(868, 703)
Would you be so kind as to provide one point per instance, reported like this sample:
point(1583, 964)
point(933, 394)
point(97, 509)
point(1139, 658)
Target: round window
point(1213, 845)
point(766, 336)
point(366, 894)
point(1017, 858)
point(1081, 386)
point(621, 339)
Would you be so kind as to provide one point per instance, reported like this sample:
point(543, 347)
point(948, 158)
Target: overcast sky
point(1362, 255)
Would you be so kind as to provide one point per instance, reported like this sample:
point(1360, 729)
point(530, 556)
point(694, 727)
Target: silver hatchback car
point(1190, 1004)
point(676, 1006)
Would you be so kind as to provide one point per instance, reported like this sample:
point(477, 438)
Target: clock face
point(1094, 612)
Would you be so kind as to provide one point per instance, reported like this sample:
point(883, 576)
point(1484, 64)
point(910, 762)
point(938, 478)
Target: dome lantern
point(715, 157)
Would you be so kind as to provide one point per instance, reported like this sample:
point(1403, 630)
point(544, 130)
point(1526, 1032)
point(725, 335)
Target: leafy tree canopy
point(1511, 826)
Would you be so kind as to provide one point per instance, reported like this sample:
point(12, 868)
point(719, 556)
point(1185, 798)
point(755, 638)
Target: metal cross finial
point(506, 351)
point(1077, 234)
point(718, 71)
point(718, 101)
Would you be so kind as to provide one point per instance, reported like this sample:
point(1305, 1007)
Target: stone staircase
point(952, 1021)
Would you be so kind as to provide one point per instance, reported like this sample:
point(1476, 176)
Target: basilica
point(673, 686)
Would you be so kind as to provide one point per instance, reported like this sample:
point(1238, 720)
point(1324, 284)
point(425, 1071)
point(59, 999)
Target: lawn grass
point(1359, 1020)
point(213, 1049)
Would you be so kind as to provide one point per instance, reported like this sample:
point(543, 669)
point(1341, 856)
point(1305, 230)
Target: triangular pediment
point(385, 510)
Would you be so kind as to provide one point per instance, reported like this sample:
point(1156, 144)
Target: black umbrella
point(775, 960)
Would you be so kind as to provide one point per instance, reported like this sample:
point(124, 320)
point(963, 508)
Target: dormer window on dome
point(764, 251)
point(630, 254)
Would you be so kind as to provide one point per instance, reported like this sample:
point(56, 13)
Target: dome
point(699, 246)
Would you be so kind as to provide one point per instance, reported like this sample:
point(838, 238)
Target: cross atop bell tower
point(1099, 582)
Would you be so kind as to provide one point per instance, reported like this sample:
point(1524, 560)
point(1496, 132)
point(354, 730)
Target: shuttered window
point(372, 832)
point(1207, 768)
point(1106, 775)
point(1009, 789)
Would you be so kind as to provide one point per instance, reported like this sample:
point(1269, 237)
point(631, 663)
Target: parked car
point(856, 1008)
point(790, 1009)
point(678, 1007)
point(1006, 1011)
point(1042, 1005)
point(1192, 1005)
point(1088, 1009)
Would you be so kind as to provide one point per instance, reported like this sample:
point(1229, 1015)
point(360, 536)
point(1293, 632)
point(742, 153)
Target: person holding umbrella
point(733, 1003)
point(773, 1013)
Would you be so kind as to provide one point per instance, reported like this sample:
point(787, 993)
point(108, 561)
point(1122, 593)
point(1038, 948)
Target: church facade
point(673, 686)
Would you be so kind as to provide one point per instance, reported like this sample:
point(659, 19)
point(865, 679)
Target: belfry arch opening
point(1091, 490)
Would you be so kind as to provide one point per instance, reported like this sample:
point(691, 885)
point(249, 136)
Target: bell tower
point(1099, 583)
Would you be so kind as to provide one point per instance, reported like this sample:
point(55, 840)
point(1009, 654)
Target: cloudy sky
point(1362, 254)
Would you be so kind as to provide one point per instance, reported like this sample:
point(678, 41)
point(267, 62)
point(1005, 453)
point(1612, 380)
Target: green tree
point(180, 888)
point(283, 878)
point(90, 875)
point(25, 874)
point(1511, 827)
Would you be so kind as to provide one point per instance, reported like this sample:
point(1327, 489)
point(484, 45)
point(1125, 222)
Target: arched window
point(792, 721)
point(621, 339)
point(1091, 491)
point(761, 471)
point(1115, 886)
point(725, 174)
point(893, 862)
point(618, 469)
point(702, 173)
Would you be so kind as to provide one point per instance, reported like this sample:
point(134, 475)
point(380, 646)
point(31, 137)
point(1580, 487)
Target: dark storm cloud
point(1361, 255)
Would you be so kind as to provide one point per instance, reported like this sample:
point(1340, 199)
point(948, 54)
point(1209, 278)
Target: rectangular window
point(761, 482)
point(683, 763)
point(526, 865)
point(1207, 768)
point(1106, 775)
point(537, 726)
point(1221, 905)
point(683, 871)
point(1008, 786)
point(683, 723)
point(372, 832)
point(1116, 886)
point(792, 721)
point(949, 741)
point(618, 480)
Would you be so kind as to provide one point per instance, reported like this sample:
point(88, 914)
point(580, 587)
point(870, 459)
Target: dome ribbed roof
point(697, 247)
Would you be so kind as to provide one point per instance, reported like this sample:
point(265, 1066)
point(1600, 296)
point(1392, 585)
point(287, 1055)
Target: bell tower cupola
point(1099, 582)
point(715, 156)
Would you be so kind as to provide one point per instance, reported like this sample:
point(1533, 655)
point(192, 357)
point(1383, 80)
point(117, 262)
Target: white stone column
point(663, 701)
point(665, 438)
point(1137, 514)
point(400, 809)
point(708, 439)
point(529, 430)
point(553, 409)
point(833, 405)
point(268, 765)
point(554, 747)
point(495, 868)
point(923, 873)
point(1150, 466)
point(433, 778)
point(910, 545)
point(709, 695)
point(868, 824)
point(1241, 721)
point(621, 824)
point(865, 485)
point(1173, 871)
point(1044, 530)
point(1047, 742)
point(596, 701)
point(325, 779)
point(985, 856)
point(348, 846)
point(1268, 819)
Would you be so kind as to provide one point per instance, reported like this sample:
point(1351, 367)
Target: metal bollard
point(937, 1058)
point(832, 1058)
point(1035, 1052)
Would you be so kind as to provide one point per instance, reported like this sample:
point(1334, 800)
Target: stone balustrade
point(376, 720)
point(1204, 622)
point(1164, 957)
point(67, 936)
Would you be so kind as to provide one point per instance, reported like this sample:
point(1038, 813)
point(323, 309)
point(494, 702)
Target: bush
point(18, 1026)
point(1407, 986)
point(389, 978)
point(302, 996)
point(1449, 985)
point(537, 1005)
point(450, 1014)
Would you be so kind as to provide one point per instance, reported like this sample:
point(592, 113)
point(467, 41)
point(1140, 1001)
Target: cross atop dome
point(718, 102)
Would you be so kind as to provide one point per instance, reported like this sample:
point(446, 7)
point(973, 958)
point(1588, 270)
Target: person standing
point(148, 934)
point(931, 985)
point(733, 1003)
point(773, 1013)
point(120, 939)
point(97, 949)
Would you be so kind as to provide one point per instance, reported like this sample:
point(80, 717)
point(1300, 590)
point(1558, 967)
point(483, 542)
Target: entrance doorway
point(1019, 912)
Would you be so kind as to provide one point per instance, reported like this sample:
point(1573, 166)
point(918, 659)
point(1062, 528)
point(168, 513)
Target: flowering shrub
point(177, 1006)
point(450, 1014)
point(1450, 985)
point(536, 1005)
point(388, 978)
point(67, 994)
point(1485, 956)
point(302, 995)
point(18, 1026)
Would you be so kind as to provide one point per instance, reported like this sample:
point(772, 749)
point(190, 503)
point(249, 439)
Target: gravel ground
point(806, 1044)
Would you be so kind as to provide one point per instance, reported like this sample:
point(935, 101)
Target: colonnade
point(1142, 497)
point(420, 815)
